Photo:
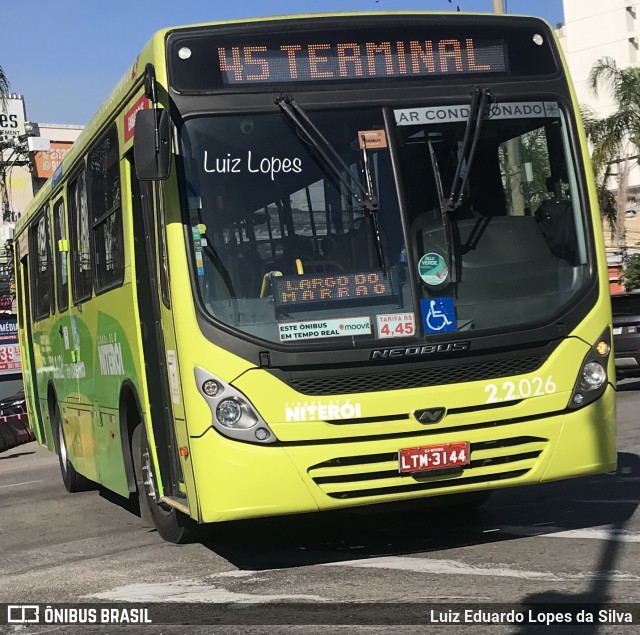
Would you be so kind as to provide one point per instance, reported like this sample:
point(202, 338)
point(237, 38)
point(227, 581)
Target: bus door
point(29, 362)
point(153, 339)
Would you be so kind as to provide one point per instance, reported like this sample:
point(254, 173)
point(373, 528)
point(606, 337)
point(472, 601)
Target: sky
point(65, 56)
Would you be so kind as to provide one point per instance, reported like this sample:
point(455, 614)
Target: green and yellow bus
point(316, 262)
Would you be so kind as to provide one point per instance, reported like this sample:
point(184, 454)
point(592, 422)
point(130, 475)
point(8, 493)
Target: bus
point(318, 262)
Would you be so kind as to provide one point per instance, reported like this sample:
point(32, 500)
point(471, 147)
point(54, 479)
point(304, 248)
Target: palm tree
point(612, 135)
point(602, 163)
point(4, 85)
point(623, 125)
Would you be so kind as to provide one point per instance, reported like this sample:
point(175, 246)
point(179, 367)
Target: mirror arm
point(152, 140)
point(151, 92)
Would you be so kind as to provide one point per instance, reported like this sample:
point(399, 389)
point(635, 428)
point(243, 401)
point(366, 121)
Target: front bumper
point(240, 480)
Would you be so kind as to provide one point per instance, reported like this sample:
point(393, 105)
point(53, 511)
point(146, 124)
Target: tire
point(73, 481)
point(172, 525)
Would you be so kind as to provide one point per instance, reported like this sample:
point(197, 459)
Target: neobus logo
point(420, 351)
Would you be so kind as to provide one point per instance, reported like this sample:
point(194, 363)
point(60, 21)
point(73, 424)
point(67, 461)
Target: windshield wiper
point(337, 166)
point(477, 112)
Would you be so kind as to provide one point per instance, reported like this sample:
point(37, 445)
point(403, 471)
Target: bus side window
point(106, 211)
point(82, 281)
point(62, 273)
point(42, 267)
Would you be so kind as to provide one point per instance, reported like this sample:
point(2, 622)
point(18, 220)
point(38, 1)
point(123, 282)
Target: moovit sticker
point(315, 329)
point(433, 269)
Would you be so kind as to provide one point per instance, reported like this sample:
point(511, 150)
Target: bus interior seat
point(506, 240)
point(294, 248)
point(556, 223)
point(355, 250)
point(250, 271)
point(322, 266)
point(502, 258)
point(423, 226)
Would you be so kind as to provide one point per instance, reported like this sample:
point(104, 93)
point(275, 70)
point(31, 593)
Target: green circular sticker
point(433, 269)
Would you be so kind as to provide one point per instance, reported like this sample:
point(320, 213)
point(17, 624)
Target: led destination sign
point(201, 62)
point(320, 60)
point(289, 290)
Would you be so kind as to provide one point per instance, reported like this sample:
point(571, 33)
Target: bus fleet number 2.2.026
point(512, 391)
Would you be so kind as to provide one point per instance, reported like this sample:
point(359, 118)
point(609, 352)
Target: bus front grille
point(377, 474)
point(337, 384)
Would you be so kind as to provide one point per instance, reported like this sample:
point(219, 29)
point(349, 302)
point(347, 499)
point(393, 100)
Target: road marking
point(455, 567)
point(24, 483)
point(595, 533)
point(190, 591)
point(443, 567)
point(236, 573)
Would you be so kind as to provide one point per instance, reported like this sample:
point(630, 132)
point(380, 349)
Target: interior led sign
point(290, 290)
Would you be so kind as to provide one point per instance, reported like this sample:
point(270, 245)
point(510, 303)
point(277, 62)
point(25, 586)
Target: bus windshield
point(284, 251)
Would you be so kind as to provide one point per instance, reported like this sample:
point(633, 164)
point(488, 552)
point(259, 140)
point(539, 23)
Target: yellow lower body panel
point(240, 480)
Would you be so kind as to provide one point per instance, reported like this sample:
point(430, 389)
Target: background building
point(44, 162)
point(29, 153)
point(595, 29)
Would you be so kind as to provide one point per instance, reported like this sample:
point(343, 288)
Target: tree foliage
point(631, 272)
point(4, 85)
point(623, 84)
point(610, 135)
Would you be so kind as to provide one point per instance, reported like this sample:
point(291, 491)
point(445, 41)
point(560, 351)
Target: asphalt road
point(573, 541)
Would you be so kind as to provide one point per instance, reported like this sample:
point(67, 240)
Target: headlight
point(592, 379)
point(228, 412)
point(232, 414)
point(593, 376)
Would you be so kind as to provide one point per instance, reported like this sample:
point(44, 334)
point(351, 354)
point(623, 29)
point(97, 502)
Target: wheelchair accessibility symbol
point(438, 315)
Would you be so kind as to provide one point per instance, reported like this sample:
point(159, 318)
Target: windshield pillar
point(412, 275)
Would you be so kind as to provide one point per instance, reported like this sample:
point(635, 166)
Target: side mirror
point(152, 144)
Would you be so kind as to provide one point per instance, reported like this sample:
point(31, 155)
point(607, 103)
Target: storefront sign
point(47, 162)
point(9, 349)
point(12, 118)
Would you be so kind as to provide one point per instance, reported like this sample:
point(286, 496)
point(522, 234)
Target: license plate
point(433, 457)
point(617, 330)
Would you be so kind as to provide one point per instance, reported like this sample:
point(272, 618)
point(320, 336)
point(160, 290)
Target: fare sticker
point(396, 325)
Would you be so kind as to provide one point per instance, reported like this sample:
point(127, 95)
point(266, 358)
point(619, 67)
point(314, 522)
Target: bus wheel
point(172, 525)
point(73, 481)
